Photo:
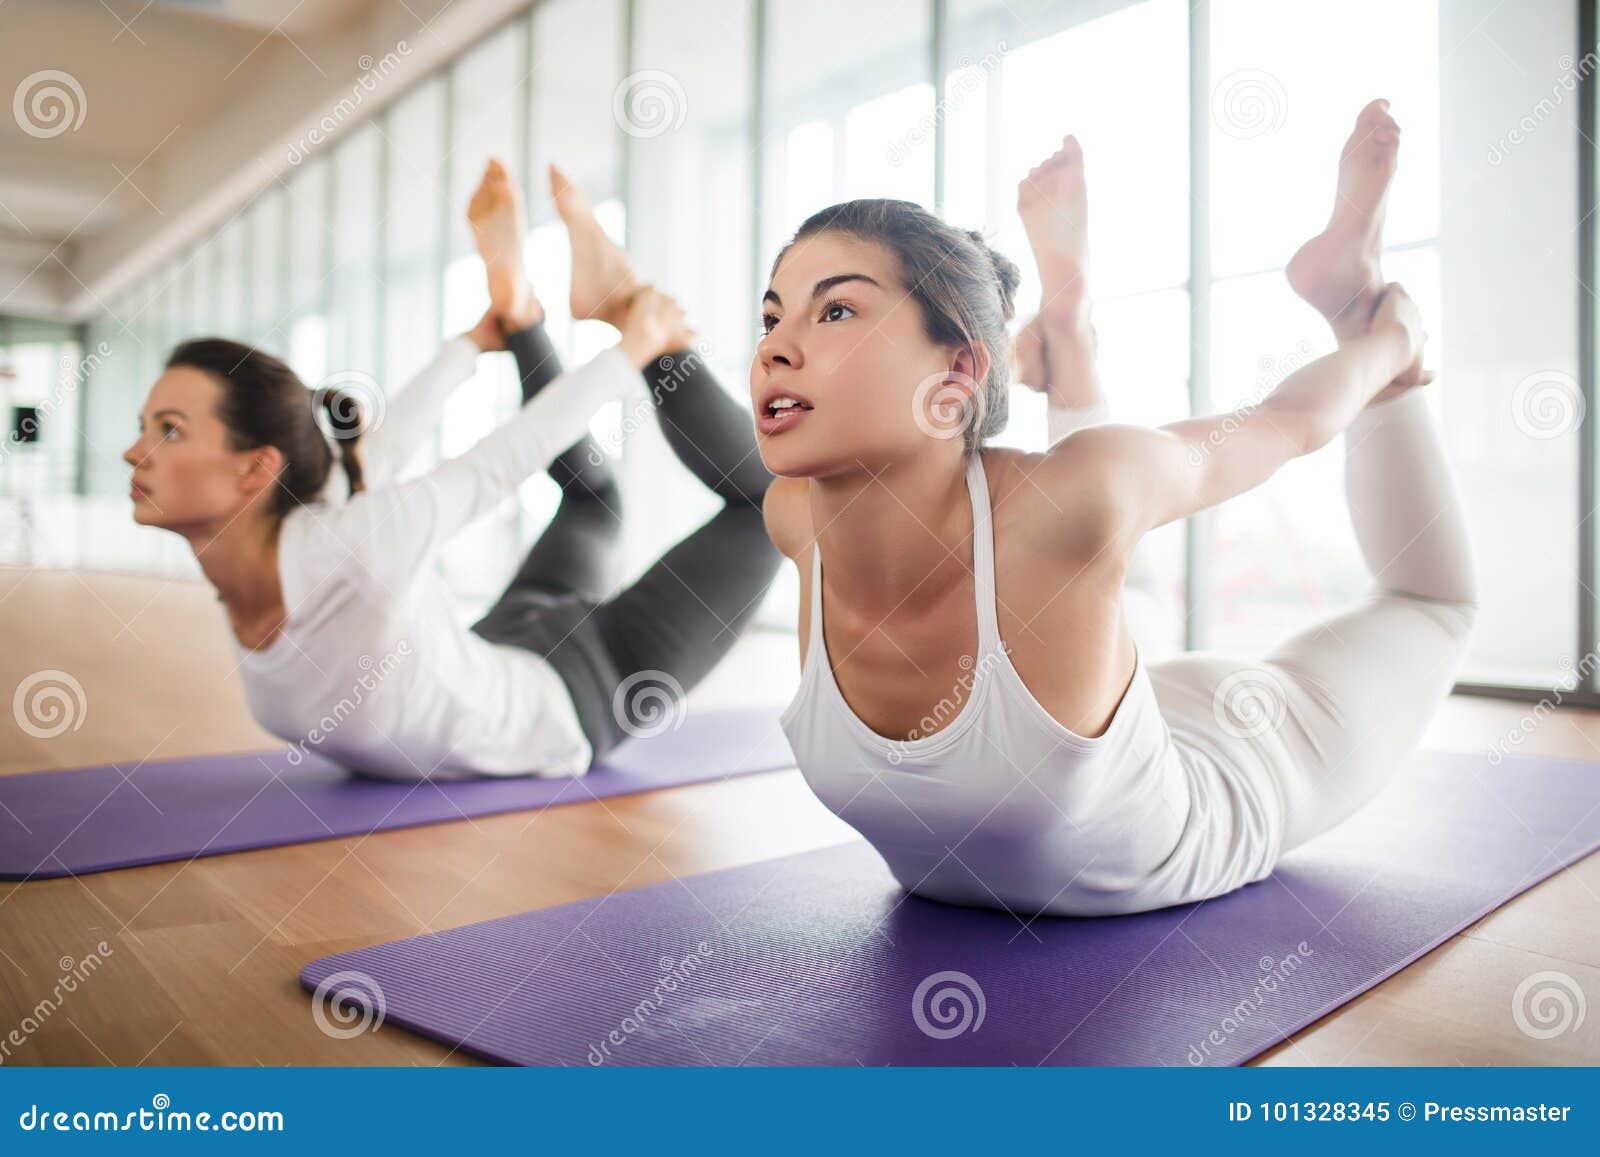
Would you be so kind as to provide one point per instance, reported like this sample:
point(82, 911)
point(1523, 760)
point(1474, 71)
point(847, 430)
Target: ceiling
point(126, 114)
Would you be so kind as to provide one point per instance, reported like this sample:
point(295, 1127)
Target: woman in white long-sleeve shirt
point(347, 639)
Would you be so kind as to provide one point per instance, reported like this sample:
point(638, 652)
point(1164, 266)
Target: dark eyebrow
point(822, 286)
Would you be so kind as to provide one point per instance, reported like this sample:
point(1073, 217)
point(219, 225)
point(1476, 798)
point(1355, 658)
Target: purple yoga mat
point(821, 959)
point(59, 823)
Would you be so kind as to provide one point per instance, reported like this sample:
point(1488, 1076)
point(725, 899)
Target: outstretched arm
point(395, 529)
point(1139, 478)
point(412, 416)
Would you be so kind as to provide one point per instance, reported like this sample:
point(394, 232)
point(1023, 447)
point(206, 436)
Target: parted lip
point(772, 393)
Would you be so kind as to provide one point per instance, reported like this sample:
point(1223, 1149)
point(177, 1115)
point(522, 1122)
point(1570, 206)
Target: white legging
point(1334, 711)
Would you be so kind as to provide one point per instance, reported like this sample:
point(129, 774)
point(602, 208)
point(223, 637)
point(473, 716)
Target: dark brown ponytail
point(347, 422)
point(264, 403)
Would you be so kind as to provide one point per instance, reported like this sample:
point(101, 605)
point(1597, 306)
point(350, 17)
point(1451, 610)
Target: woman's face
point(845, 339)
point(185, 474)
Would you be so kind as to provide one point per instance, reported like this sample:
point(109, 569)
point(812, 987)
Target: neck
point(240, 559)
point(897, 539)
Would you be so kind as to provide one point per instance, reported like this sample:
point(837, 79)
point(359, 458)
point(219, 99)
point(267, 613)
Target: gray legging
point(618, 655)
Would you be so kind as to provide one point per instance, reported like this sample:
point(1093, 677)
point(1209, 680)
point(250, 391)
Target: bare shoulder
point(787, 510)
point(1062, 501)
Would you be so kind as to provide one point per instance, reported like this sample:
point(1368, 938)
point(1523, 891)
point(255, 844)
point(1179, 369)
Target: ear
point(970, 366)
point(259, 469)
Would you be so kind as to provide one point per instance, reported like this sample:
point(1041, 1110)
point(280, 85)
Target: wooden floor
point(205, 953)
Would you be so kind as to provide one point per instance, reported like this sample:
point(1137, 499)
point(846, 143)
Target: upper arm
point(1131, 479)
point(402, 524)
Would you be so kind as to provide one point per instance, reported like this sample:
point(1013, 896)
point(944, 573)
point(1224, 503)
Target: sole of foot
point(1053, 202)
point(1337, 272)
point(498, 226)
point(603, 281)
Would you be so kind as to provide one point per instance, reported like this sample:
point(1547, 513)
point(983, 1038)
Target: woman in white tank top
point(972, 700)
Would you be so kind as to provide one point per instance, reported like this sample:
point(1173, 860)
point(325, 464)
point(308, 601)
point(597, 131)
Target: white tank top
point(1003, 806)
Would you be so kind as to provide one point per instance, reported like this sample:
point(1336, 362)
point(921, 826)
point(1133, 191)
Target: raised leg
point(1056, 350)
point(1312, 731)
point(1321, 724)
point(576, 552)
point(629, 659)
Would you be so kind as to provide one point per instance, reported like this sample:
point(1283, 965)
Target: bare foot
point(1053, 202)
point(1028, 356)
point(652, 326)
point(602, 280)
point(1337, 270)
point(498, 226)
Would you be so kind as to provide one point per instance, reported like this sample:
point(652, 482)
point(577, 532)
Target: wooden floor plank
point(204, 954)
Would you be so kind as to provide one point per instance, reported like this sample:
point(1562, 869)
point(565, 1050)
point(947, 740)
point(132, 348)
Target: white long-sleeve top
point(371, 668)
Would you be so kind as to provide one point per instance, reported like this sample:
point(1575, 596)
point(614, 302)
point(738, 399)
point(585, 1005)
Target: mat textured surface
point(59, 823)
point(820, 958)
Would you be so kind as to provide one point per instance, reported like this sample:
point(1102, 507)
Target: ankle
point(1066, 318)
point(614, 310)
point(521, 318)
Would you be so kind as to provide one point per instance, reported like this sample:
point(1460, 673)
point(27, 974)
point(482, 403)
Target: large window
point(355, 285)
point(705, 131)
point(415, 209)
point(1284, 94)
point(305, 297)
point(1017, 81)
point(684, 117)
point(848, 96)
